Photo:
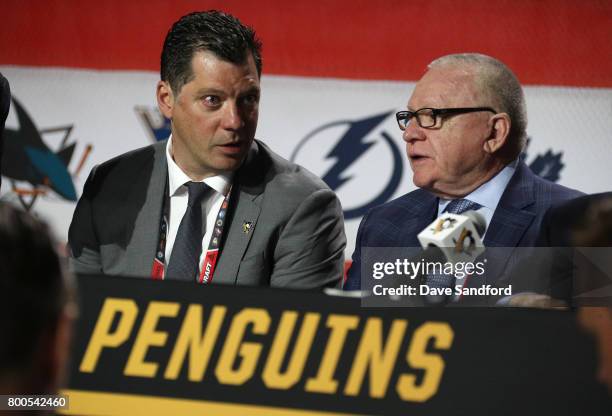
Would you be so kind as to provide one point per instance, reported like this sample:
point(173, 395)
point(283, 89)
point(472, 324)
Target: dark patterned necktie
point(187, 248)
point(459, 206)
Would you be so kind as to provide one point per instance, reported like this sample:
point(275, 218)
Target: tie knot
point(459, 206)
point(196, 192)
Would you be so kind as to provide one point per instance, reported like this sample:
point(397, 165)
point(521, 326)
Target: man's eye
point(211, 100)
point(250, 99)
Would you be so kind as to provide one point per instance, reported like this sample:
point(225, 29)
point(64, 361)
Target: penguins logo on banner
point(362, 162)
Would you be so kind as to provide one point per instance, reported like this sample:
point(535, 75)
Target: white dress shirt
point(179, 197)
point(488, 194)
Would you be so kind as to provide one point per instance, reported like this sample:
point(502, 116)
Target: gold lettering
point(324, 381)
point(190, 339)
point(149, 337)
point(373, 357)
point(272, 376)
point(433, 364)
point(248, 351)
point(102, 337)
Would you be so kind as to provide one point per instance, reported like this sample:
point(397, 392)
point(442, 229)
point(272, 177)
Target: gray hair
point(499, 84)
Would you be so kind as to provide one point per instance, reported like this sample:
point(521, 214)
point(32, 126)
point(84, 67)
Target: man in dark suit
point(464, 129)
point(5, 102)
point(211, 204)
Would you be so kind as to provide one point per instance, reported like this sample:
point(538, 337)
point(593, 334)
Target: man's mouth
point(233, 147)
point(417, 157)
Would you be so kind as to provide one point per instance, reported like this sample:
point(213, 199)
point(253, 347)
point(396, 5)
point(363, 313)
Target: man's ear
point(500, 128)
point(165, 99)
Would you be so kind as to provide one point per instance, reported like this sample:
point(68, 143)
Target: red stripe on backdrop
point(546, 42)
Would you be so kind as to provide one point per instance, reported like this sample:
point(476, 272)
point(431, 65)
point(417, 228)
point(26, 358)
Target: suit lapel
point(426, 205)
point(244, 212)
point(142, 246)
point(511, 220)
point(237, 237)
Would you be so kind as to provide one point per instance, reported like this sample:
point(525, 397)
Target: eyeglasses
point(428, 117)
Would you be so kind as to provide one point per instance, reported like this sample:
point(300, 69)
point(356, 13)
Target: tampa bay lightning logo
point(351, 142)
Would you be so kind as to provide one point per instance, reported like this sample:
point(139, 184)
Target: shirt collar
point(489, 193)
point(177, 178)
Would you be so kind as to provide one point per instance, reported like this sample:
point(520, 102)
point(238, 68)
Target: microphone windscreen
point(478, 220)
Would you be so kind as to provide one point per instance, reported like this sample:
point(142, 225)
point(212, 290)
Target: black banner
point(160, 347)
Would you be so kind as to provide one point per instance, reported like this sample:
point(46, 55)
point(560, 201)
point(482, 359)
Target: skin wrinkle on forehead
point(471, 81)
point(461, 94)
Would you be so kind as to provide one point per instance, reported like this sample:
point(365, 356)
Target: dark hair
point(33, 289)
point(214, 31)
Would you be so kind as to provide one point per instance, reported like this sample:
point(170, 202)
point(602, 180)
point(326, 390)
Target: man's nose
point(232, 119)
point(413, 132)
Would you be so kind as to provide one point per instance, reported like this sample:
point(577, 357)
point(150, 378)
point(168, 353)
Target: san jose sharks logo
point(33, 168)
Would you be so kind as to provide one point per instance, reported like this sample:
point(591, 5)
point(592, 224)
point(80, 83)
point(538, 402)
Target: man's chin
point(229, 163)
point(428, 184)
point(421, 181)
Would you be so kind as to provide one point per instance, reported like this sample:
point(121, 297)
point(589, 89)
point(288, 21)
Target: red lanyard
point(214, 247)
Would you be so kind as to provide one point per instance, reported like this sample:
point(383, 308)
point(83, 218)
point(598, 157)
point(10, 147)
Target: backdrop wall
point(83, 78)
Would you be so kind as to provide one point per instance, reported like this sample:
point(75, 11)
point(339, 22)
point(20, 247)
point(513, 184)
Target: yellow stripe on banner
point(88, 403)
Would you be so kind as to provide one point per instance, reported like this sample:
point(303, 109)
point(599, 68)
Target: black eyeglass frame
point(435, 113)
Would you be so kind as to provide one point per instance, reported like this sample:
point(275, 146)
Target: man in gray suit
point(210, 204)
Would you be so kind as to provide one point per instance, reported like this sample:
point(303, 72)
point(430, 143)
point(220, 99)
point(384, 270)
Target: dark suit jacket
point(515, 223)
point(296, 238)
